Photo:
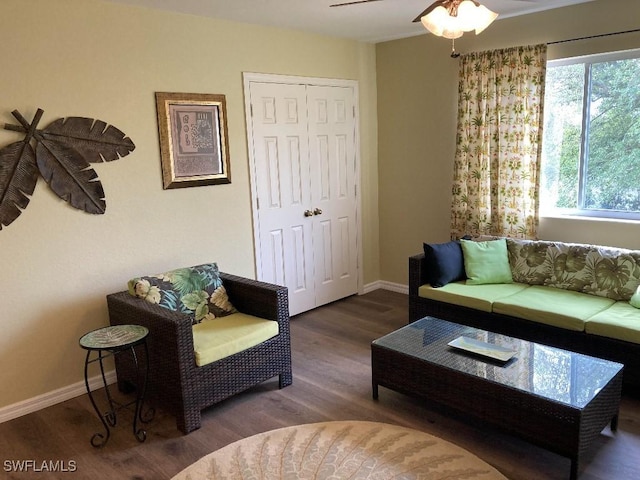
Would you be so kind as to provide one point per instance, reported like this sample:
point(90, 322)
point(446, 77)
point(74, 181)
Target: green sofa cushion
point(479, 297)
point(621, 321)
point(220, 337)
point(486, 262)
point(552, 306)
point(635, 298)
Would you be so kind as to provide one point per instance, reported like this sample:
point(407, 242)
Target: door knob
point(317, 211)
point(308, 213)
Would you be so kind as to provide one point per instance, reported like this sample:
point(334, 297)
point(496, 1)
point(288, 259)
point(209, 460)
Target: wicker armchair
point(175, 383)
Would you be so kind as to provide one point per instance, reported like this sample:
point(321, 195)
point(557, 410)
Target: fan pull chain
point(454, 54)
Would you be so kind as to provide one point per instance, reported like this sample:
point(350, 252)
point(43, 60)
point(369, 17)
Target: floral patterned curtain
point(499, 143)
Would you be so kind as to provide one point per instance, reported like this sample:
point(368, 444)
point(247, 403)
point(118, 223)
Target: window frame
point(588, 61)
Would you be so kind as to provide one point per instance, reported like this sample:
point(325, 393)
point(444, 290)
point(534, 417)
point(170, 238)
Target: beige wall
point(417, 98)
point(102, 60)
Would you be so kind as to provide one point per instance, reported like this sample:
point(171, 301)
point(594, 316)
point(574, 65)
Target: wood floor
point(332, 381)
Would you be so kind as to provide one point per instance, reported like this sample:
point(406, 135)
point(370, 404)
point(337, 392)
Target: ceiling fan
point(448, 18)
point(444, 3)
point(417, 19)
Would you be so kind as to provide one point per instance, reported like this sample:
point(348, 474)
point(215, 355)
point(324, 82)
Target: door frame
point(250, 77)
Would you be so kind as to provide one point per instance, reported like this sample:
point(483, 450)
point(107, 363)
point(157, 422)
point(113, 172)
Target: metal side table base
point(110, 341)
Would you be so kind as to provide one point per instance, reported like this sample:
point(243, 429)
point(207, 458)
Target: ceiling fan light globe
point(467, 17)
point(440, 23)
point(485, 17)
point(452, 34)
point(436, 21)
point(470, 16)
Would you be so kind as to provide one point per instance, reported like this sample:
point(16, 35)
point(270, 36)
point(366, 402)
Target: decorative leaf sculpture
point(70, 176)
point(93, 139)
point(63, 154)
point(18, 177)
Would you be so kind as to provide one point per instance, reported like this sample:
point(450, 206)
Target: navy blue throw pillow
point(445, 263)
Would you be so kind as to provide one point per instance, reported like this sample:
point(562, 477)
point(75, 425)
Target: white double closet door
point(303, 150)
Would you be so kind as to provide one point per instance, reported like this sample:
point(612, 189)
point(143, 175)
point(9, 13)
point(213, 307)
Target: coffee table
point(557, 399)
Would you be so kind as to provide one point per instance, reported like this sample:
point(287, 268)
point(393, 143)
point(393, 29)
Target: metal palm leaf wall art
point(63, 153)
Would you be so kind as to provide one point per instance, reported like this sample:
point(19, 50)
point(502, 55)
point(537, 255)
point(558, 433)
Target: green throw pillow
point(635, 298)
point(486, 262)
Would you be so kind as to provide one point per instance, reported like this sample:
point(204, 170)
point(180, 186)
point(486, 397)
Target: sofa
point(211, 335)
point(583, 298)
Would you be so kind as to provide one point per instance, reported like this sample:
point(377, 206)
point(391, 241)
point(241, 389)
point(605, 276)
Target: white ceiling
point(369, 22)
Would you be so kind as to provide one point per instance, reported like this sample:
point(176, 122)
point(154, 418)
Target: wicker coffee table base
point(558, 427)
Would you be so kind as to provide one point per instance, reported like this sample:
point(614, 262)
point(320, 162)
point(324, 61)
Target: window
point(591, 137)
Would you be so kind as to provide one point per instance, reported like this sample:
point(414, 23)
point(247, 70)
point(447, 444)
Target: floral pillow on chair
point(195, 291)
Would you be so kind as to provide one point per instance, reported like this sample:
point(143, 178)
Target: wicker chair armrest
point(170, 331)
point(260, 299)
point(417, 273)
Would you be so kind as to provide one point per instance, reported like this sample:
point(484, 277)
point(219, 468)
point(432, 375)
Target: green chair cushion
point(220, 337)
point(621, 321)
point(479, 297)
point(552, 306)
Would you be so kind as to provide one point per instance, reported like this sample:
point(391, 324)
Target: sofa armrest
point(417, 273)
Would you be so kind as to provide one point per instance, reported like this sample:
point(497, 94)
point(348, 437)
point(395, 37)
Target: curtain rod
point(593, 36)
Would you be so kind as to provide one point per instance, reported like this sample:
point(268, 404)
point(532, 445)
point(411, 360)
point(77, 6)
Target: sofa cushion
point(219, 338)
point(603, 271)
point(486, 262)
point(479, 297)
point(616, 272)
point(444, 262)
point(635, 299)
point(621, 321)
point(529, 261)
point(552, 306)
point(195, 291)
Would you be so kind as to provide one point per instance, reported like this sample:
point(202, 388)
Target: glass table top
point(115, 336)
point(558, 375)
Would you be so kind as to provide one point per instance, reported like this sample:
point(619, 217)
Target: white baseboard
point(71, 391)
point(381, 284)
point(52, 398)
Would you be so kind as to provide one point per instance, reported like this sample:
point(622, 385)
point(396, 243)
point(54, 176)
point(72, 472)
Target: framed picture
point(193, 139)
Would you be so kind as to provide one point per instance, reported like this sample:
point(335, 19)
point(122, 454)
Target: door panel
point(282, 178)
point(304, 160)
point(333, 180)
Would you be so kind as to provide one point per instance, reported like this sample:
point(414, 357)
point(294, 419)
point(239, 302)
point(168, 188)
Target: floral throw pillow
point(529, 261)
point(569, 267)
point(616, 273)
point(195, 291)
point(606, 272)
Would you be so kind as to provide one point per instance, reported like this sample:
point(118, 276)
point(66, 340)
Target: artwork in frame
point(194, 144)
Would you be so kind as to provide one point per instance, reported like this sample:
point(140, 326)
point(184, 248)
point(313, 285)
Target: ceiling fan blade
point(433, 6)
point(355, 2)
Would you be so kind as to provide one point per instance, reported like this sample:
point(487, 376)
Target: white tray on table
point(485, 349)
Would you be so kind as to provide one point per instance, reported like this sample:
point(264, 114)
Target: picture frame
point(194, 143)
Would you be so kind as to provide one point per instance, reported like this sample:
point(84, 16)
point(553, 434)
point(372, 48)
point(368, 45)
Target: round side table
point(110, 341)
